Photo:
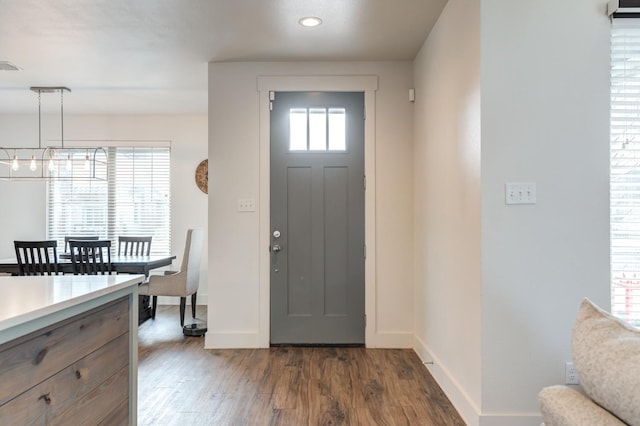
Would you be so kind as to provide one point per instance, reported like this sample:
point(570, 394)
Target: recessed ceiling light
point(8, 66)
point(310, 21)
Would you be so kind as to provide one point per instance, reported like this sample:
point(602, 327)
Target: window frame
point(152, 163)
point(624, 176)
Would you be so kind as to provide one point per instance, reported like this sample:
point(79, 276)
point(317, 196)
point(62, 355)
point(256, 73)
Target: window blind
point(625, 170)
point(135, 201)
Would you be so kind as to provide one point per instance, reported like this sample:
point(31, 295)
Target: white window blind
point(625, 170)
point(135, 201)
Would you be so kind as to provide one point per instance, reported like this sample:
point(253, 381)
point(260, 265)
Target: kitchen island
point(68, 349)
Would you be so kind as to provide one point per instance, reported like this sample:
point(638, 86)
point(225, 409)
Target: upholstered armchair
point(180, 283)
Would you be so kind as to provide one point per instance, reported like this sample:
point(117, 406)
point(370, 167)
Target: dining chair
point(37, 257)
point(90, 257)
point(83, 238)
point(180, 283)
point(137, 246)
point(134, 246)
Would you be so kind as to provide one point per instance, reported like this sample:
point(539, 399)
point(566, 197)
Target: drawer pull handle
point(47, 399)
point(40, 356)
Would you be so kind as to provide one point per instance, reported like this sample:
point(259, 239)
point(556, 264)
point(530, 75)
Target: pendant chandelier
point(53, 162)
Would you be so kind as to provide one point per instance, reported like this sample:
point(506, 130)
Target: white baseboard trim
point(251, 340)
point(231, 340)
point(511, 419)
point(467, 409)
point(391, 340)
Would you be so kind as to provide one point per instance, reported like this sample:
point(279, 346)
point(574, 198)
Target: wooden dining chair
point(37, 257)
point(83, 238)
point(134, 246)
point(90, 257)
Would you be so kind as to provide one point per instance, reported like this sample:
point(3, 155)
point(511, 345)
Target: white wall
point(544, 81)
point(236, 314)
point(23, 203)
point(447, 204)
point(545, 119)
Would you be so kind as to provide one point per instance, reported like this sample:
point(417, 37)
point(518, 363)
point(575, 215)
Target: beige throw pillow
point(606, 354)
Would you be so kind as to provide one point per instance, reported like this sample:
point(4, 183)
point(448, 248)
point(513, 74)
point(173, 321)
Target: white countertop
point(24, 299)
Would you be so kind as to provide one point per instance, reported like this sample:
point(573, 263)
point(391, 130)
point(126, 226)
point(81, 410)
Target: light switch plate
point(520, 193)
point(246, 204)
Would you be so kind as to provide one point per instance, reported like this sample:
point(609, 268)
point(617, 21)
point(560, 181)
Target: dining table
point(120, 264)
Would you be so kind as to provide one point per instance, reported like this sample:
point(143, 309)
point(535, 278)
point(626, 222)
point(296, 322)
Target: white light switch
point(246, 204)
point(520, 193)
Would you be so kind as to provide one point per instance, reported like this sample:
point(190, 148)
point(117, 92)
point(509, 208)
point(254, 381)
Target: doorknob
point(276, 248)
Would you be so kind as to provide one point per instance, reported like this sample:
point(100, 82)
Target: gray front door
point(317, 218)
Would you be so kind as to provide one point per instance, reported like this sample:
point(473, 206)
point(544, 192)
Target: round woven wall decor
point(202, 176)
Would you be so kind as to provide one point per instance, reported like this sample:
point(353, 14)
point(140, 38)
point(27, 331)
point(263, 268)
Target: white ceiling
point(150, 56)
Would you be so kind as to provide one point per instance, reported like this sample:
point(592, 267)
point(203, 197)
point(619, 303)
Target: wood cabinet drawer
point(50, 360)
point(78, 390)
point(97, 405)
point(37, 356)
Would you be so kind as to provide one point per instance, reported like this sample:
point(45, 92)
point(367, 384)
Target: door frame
point(368, 84)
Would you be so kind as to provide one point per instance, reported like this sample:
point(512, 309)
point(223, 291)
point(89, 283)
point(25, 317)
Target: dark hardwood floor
point(181, 383)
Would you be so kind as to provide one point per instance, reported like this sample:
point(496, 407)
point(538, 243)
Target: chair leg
point(194, 297)
point(183, 305)
point(154, 305)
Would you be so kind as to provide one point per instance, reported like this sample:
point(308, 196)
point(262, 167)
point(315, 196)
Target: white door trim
point(349, 83)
